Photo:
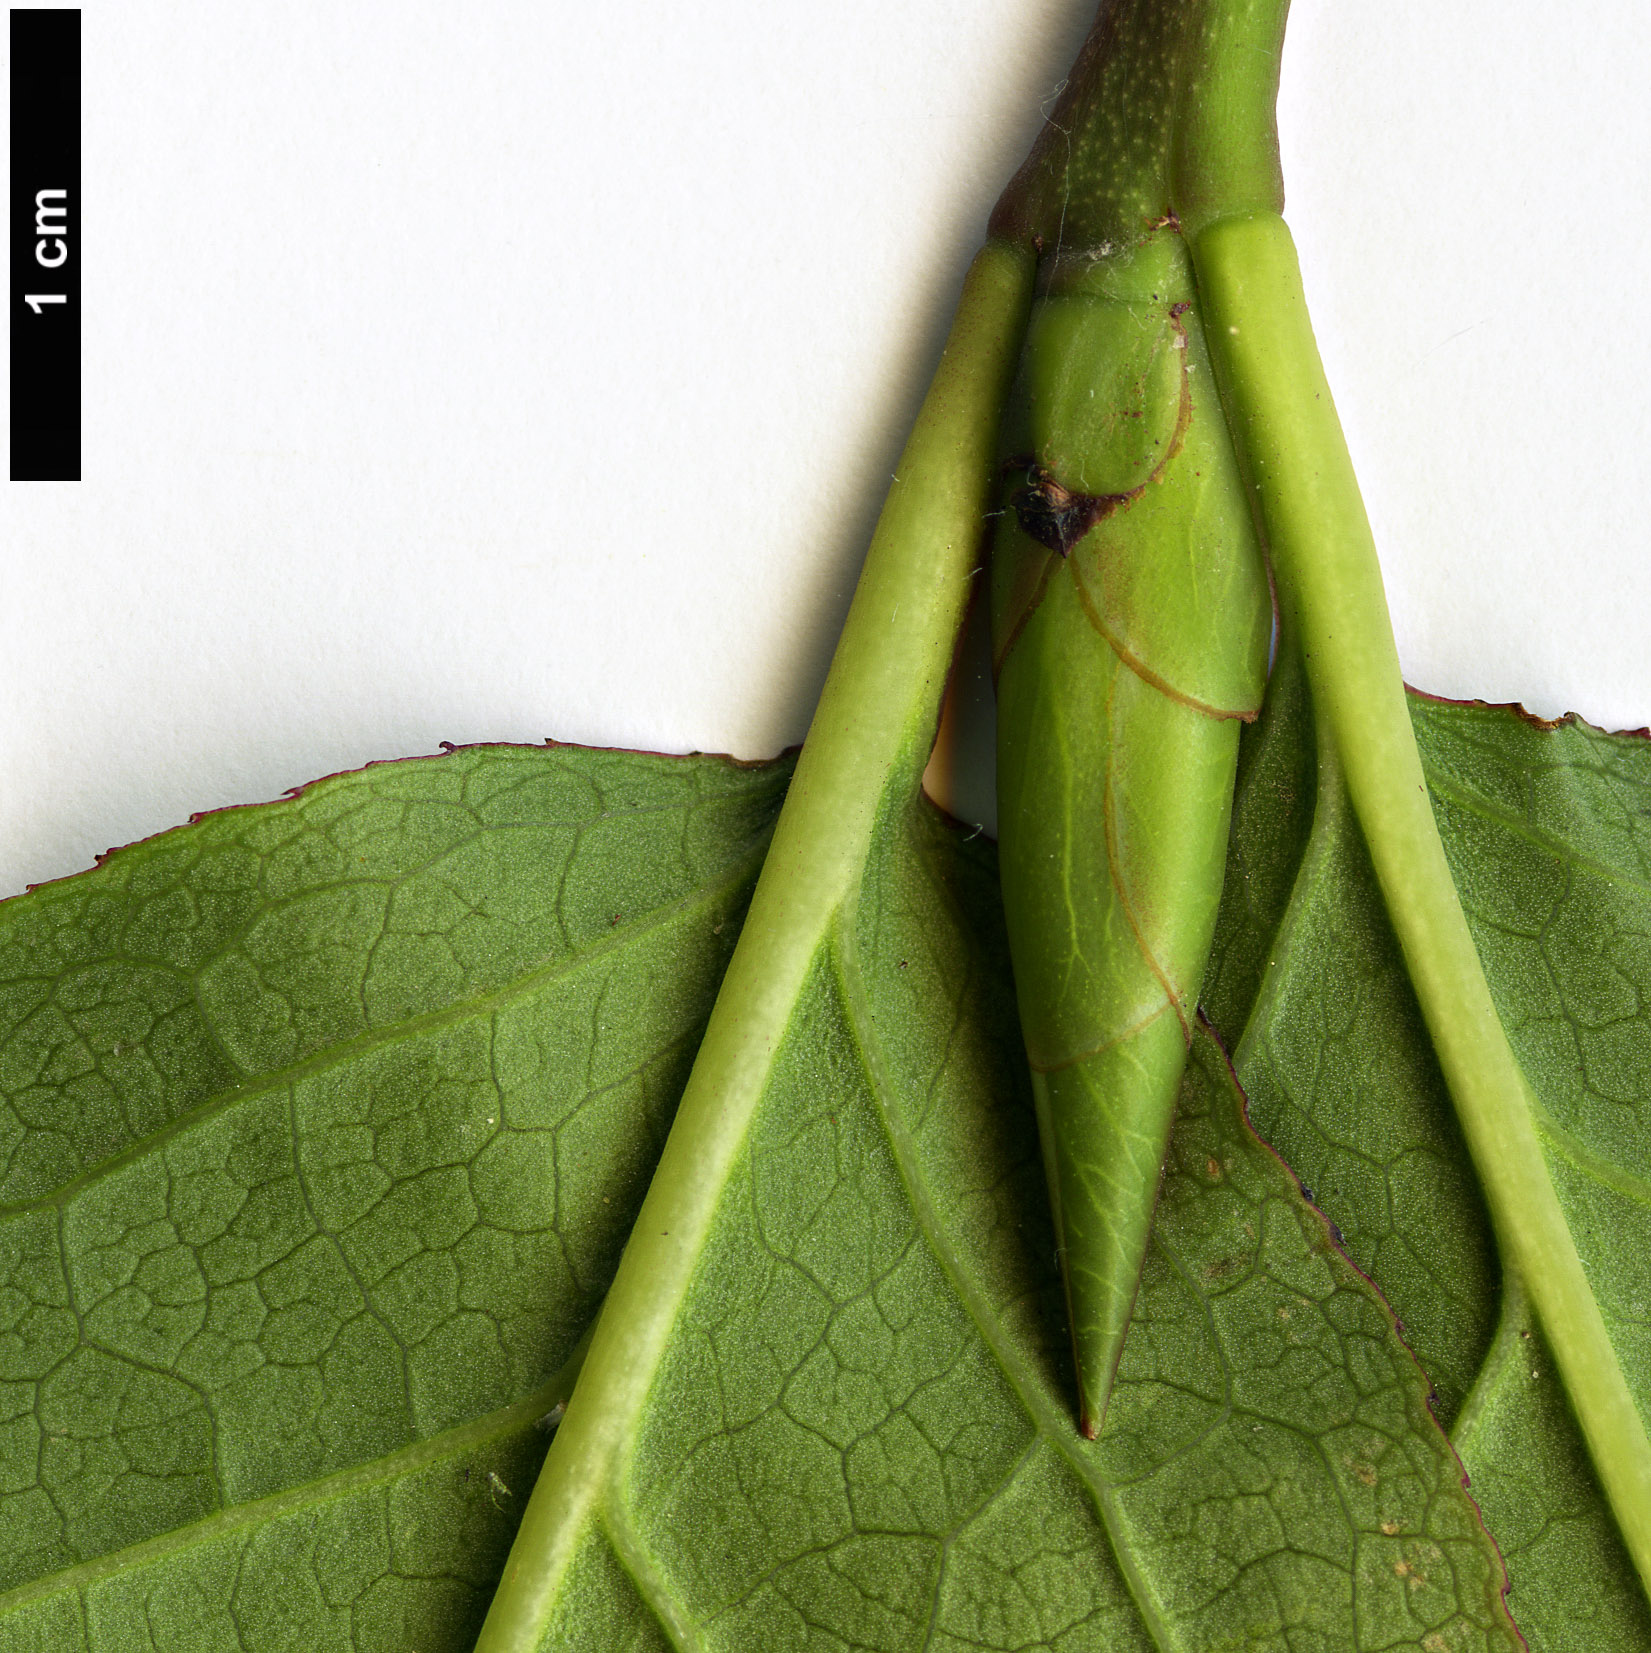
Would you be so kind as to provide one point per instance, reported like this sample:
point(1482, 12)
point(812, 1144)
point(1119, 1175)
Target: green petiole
point(1329, 581)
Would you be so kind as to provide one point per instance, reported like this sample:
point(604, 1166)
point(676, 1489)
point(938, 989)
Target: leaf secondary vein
point(1589, 1161)
point(674, 1621)
point(1504, 1353)
point(1054, 1425)
point(1477, 804)
point(363, 1044)
point(223, 1523)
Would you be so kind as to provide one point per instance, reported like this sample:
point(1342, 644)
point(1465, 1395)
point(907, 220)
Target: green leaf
point(827, 1403)
point(329, 1119)
point(324, 1124)
point(862, 1430)
point(1547, 829)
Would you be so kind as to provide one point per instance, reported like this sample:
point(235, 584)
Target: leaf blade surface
point(1542, 827)
point(320, 1240)
point(861, 1433)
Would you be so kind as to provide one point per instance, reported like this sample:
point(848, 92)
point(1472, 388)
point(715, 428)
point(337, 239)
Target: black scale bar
point(45, 246)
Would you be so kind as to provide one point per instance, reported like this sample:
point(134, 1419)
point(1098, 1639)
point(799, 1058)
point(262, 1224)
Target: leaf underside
point(323, 1125)
point(327, 1119)
point(862, 1434)
point(1548, 832)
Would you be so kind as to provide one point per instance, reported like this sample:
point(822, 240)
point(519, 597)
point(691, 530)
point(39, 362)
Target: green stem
point(871, 733)
point(1324, 559)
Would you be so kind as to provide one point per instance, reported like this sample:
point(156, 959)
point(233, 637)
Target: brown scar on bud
point(1056, 517)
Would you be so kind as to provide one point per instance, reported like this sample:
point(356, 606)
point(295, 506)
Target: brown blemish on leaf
point(1411, 1573)
point(1362, 1471)
point(1411, 1568)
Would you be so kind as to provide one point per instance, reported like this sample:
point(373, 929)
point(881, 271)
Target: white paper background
point(507, 370)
